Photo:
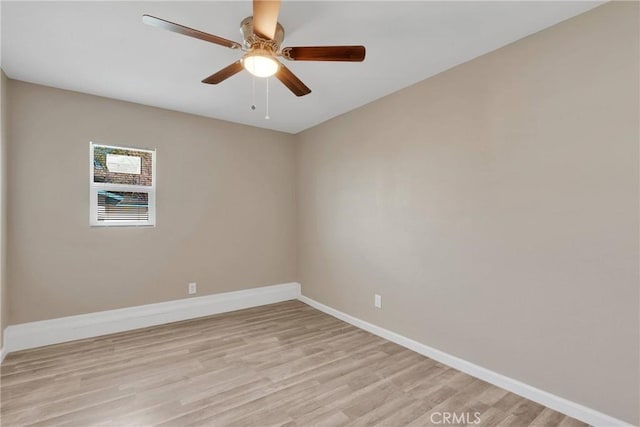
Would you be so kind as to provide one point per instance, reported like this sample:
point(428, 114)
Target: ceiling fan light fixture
point(262, 37)
point(260, 63)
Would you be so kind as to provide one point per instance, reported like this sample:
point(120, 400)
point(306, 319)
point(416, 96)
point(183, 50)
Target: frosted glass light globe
point(260, 65)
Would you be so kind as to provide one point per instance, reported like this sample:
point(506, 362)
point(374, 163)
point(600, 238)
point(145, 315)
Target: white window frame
point(94, 187)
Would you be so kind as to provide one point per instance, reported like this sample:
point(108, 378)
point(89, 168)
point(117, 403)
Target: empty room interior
point(320, 213)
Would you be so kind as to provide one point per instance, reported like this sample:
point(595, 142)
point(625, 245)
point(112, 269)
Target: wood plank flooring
point(283, 364)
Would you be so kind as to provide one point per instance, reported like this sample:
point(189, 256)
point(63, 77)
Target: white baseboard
point(45, 332)
point(567, 407)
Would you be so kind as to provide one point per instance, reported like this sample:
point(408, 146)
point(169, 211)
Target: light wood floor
point(283, 364)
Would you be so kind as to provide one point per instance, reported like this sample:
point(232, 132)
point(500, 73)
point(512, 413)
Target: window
point(122, 186)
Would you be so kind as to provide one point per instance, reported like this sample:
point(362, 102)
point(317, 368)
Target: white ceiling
point(103, 48)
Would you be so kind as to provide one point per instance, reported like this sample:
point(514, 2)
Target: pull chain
point(266, 117)
point(253, 93)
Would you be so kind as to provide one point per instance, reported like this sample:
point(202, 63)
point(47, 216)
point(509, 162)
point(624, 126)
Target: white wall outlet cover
point(377, 301)
point(193, 288)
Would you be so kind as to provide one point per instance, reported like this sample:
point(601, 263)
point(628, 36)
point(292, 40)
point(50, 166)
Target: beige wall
point(495, 209)
point(225, 206)
point(4, 313)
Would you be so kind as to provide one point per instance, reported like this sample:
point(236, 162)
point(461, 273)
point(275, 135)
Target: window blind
point(123, 206)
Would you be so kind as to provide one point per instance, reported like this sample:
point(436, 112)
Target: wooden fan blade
point(181, 29)
point(290, 80)
point(325, 53)
point(265, 18)
point(224, 74)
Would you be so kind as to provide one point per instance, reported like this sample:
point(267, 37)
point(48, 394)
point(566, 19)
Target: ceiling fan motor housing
point(250, 39)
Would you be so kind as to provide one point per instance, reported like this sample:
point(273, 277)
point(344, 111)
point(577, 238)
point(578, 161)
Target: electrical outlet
point(193, 288)
point(377, 301)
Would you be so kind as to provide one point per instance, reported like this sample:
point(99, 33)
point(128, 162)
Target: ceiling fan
point(262, 36)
